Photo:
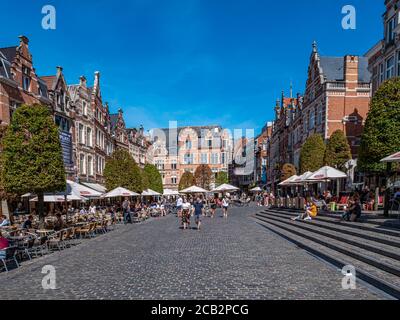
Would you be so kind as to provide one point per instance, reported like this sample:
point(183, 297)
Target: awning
point(150, 193)
point(120, 192)
point(194, 189)
point(81, 190)
point(225, 188)
point(95, 186)
point(393, 158)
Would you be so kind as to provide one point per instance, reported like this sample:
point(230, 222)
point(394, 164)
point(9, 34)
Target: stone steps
point(376, 256)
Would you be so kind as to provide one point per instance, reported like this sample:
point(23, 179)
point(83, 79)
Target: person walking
point(186, 206)
point(198, 211)
point(126, 210)
point(213, 205)
point(225, 205)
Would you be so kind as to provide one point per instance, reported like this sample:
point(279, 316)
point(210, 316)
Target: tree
point(187, 180)
point(382, 130)
point(154, 178)
point(288, 170)
point(32, 154)
point(312, 154)
point(221, 178)
point(121, 170)
point(145, 180)
point(337, 151)
point(203, 176)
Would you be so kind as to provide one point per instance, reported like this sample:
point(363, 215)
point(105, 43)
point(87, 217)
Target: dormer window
point(26, 78)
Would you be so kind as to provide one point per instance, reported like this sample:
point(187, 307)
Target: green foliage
point(381, 136)
point(121, 170)
point(337, 151)
point(288, 170)
point(153, 178)
point(187, 180)
point(221, 178)
point(145, 180)
point(32, 154)
point(203, 176)
point(312, 154)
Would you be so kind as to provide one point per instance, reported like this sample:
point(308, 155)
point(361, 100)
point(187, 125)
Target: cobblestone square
point(233, 259)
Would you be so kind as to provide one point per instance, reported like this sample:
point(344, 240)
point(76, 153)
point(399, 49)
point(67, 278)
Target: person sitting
point(4, 222)
point(353, 212)
point(59, 224)
point(369, 201)
point(4, 244)
point(310, 212)
point(28, 223)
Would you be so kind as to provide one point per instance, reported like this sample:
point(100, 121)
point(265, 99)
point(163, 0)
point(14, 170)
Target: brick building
point(139, 146)
point(384, 57)
point(337, 97)
point(176, 151)
point(261, 154)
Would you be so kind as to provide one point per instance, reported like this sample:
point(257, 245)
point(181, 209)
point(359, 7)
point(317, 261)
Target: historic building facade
point(88, 132)
point(384, 57)
point(176, 151)
point(63, 111)
point(337, 97)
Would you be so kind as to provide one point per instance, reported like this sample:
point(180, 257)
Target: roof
point(49, 81)
point(333, 69)
point(114, 120)
point(9, 53)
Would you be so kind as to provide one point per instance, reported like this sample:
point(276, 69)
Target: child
point(310, 212)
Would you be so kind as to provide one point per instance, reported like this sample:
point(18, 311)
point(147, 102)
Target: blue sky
point(195, 61)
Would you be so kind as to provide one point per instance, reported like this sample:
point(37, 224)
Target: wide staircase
point(372, 246)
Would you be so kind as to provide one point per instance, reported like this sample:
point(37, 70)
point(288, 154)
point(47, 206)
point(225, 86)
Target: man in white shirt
point(179, 203)
point(225, 205)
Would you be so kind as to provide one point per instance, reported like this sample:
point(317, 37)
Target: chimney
point(59, 69)
point(82, 81)
point(351, 71)
point(23, 40)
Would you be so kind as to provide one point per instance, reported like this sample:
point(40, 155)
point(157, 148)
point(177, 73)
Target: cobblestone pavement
point(233, 259)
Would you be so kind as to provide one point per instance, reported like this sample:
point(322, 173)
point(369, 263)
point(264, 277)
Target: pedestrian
point(213, 204)
point(198, 211)
point(225, 205)
point(126, 211)
point(186, 206)
point(179, 203)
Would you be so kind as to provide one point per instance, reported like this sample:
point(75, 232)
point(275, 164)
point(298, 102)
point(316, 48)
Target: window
point(209, 143)
point(81, 133)
point(188, 144)
point(224, 143)
point(204, 158)
point(381, 73)
point(89, 141)
point(214, 158)
point(311, 123)
point(390, 68)
point(90, 165)
point(390, 34)
point(84, 108)
point(223, 158)
point(26, 78)
point(188, 159)
point(82, 164)
point(319, 115)
point(173, 165)
point(398, 64)
point(173, 180)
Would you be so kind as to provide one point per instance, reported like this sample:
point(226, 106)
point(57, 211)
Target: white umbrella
point(225, 188)
point(95, 186)
point(327, 173)
point(168, 192)
point(393, 158)
point(81, 190)
point(194, 189)
point(289, 181)
point(120, 192)
point(59, 198)
point(304, 178)
point(256, 189)
point(150, 193)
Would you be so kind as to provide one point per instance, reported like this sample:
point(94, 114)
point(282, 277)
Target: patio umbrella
point(150, 193)
point(225, 188)
point(256, 189)
point(120, 192)
point(327, 173)
point(81, 190)
point(168, 192)
point(194, 189)
point(393, 158)
point(60, 198)
point(289, 181)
